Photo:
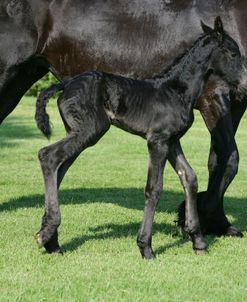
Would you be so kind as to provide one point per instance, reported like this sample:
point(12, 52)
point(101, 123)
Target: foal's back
point(136, 106)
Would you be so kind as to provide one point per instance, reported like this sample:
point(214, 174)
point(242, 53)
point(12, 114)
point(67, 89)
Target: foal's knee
point(152, 194)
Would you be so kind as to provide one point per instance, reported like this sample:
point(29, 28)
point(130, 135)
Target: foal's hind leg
point(158, 152)
point(189, 182)
point(55, 161)
point(51, 158)
point(52, 245)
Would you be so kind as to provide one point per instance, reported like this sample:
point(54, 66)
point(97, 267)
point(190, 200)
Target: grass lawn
point(102, 203)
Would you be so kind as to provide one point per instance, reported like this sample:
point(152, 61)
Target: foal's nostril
point(241, 92)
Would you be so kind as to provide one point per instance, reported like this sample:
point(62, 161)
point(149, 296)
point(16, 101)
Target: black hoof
point(201, 252)
point(53, 248)
point(211, 224)
point(52, 245)
point(234, 232)
point(147, 253)
point(199, 244)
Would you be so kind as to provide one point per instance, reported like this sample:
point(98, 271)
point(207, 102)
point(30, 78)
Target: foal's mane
point(167, 71)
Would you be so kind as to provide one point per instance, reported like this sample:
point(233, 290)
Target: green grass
point(102, 205)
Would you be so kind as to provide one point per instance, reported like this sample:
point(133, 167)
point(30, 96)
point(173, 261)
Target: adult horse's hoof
point(234, 232)
point(213, 224)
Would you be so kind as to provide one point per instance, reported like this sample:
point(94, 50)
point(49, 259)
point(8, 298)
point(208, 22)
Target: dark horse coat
point(159, 109)
point(129, 38)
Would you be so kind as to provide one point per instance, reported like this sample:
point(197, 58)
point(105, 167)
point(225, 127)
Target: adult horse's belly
point(135, 38)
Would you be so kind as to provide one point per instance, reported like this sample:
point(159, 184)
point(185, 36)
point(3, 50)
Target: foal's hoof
point(54, 251)
point(234, 232)
point(147, 253)
point(201, 252)
point(39, 240)
point(199, 245)
point(51, 246)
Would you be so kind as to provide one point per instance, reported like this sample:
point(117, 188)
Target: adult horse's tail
point(41, 116)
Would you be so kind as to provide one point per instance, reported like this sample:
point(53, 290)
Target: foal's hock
point(159, 109)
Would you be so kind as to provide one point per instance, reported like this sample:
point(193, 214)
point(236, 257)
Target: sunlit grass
point(102, 205)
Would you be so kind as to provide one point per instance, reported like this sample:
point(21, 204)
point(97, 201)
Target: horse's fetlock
point(192, 228)
point(153, 194)
point(141, 244)
point(56, 221)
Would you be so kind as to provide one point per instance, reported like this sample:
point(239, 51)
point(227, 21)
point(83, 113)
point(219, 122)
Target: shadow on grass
point(15, 128)
point(131, 198)
point(115, 231)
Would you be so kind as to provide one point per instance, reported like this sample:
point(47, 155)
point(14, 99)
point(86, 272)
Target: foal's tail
point(41, 116)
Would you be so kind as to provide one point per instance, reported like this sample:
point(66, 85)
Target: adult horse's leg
point(237, 110)
point(188, 180)
point(217, 109)
point(21, 80)
point(55, 161)
point(222, 140)
point(222, 164)
point(158, 152)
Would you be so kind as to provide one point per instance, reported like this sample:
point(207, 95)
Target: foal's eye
point(233, 55)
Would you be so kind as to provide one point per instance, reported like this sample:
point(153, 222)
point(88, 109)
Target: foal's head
point(226, 60)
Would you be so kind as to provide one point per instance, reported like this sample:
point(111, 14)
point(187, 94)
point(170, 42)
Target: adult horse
point(131, 38)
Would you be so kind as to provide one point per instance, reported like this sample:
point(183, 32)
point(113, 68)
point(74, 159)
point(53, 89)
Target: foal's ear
point(218, 28)
point(218, 25)
point(206, 28)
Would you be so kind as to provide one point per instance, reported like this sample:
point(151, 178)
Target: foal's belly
point(147, 122)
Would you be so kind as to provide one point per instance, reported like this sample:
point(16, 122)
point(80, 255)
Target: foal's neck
point(190, 70)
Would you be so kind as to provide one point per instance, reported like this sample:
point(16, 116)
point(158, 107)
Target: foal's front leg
point(158, 152)
point(189, 182)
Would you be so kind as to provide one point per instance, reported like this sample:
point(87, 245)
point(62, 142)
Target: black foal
point(158, 109)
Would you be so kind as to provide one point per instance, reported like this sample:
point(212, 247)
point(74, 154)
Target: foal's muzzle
point(241, 91)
